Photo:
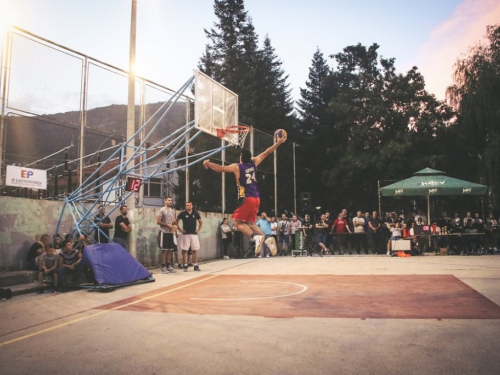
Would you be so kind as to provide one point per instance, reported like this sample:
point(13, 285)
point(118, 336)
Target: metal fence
point(65, 112)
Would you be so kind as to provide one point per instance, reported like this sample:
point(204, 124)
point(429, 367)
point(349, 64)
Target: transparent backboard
point(216, 107)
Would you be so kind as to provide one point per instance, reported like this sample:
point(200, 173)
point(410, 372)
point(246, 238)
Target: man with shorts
point(189, 238)
point(245, 215)
point(166, 221)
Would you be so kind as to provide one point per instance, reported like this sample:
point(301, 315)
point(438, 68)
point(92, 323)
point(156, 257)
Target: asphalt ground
point(304, 315)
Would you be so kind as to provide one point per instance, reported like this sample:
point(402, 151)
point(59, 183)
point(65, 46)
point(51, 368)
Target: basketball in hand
point(280, 133)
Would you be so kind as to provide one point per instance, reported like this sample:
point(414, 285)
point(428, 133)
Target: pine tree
point(273, 105)
point(310, 129)
point(230, 56)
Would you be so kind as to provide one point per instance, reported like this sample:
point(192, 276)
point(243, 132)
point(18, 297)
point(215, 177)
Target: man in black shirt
point(374, 224)
point(122, 228)
point(189, 238)
point(101, 234)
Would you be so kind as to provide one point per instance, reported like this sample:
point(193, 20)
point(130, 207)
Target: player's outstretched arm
point(259, 158)
point(220, 168)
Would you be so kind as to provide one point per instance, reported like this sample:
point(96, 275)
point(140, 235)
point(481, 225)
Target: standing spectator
point(348, 219)
point(307, 231)
point(227, 236)
point(283, 235)
point(494, 231)
point(166, 221)
point(264, 224)
point(341, 228)
point(69, 264)
point(35, 251)
point(329, 237)
point(189, 238)
point(294, 225)
point(274, 229)
point(101, 234)
point(373, 233)
point(122, 228)
point(359, 231)
point(322, 233)
point(48, 266)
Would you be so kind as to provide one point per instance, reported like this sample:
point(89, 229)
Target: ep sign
point(26, 177)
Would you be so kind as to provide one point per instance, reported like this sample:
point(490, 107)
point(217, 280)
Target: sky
point(428, 34)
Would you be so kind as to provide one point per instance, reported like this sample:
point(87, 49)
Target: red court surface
point(319, 296)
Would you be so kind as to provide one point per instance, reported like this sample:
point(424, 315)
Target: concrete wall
point(23, 221)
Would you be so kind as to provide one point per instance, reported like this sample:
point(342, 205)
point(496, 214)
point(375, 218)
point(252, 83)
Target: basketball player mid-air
point(245, 172)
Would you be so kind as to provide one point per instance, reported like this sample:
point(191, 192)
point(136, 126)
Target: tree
point(476, 96)
point(233, 58)
point(374, 124)
point(308, 129)
point(273, 104)
point(231, 55)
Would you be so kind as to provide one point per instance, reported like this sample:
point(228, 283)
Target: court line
point(304, 288)
point(99, 313)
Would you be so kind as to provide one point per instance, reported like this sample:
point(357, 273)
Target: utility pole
point(131, 125)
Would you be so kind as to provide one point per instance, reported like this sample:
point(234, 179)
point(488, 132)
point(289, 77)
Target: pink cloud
point(452, 39)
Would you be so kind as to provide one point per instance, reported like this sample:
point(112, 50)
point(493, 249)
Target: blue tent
point(113, 266)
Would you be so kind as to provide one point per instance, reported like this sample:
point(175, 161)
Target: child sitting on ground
point(48, 266)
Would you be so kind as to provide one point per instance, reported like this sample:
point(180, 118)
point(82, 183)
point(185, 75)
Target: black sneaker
point(39, 290)
point(180, 266)
point(196, 268)
point(190, 264)
point(185, 268)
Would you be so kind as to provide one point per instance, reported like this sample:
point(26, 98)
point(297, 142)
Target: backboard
point(216, 107)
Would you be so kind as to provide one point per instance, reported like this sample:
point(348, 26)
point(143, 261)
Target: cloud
point(452, 39)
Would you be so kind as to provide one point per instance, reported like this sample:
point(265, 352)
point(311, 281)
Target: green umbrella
point(429, 182)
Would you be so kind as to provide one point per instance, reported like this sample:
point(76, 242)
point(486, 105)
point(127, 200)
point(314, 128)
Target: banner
point(26, 177)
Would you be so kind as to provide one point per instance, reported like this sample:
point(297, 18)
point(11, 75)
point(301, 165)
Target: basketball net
point(235, 135)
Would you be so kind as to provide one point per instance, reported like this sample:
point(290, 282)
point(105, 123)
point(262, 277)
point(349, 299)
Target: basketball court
point(319, 296)
point(349, 315)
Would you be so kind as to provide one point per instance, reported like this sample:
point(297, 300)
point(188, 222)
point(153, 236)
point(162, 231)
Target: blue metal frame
point(85, 218)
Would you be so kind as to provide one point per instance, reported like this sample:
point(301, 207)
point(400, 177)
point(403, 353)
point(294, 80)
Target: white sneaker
point(164, 270)
point(171, 270)
point(270, 244)
point(258, 243)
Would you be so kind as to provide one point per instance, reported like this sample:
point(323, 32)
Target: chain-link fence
point(66, 113)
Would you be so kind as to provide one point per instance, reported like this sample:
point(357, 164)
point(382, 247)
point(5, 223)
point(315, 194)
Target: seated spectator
point(478, 223)
point(470, 228)
point(81, 242)
point(69, 264)
point(57, 243)
point(35, 251)
point(456, 224)
point(48, 266)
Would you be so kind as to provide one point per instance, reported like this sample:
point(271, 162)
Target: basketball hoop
point(235, 135)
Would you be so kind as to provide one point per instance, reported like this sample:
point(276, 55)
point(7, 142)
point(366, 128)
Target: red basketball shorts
point(247, 211)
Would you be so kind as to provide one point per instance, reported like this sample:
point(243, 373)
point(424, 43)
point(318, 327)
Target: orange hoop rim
point(233, 129)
